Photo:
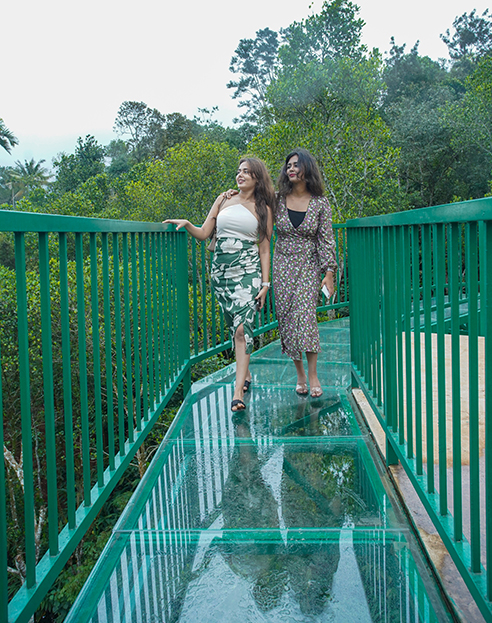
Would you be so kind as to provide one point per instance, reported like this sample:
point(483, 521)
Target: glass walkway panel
point(280, 513)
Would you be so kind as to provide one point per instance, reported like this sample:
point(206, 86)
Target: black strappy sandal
point(239, 404)
point(246, 386)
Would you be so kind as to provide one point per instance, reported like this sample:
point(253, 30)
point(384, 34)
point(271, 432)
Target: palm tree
point(29, 176)
point(7, 139)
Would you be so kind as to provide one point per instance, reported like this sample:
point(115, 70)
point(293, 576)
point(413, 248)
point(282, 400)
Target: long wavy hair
point(264, 192)
point(308, 167)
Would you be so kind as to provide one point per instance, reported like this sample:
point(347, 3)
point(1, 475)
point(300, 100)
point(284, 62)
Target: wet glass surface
point(279, 514)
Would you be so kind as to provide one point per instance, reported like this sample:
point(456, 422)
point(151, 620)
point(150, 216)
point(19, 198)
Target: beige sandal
point(302, 389)
point(316, 391)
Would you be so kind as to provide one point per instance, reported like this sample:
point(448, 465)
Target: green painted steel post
point(407, 286)
point(25, 406)
point(429, 388)
point(473, 387)
point(48, 390)
point(118, 343)
point(417, 346)
point(128, 336)
point(150, 306)
point(67, 381)
point(454, 286)
point(487, 324)
point(195, 296)
point(388, 340)
point(160, 346)
point(82, 338)
point(108, 351)
point(400, 284)
point(168, 326)
point(96, 359)
point(143, 332)
point(393, 308)
point(204, 298)
point(183, 332)
point(440, 261)
point(155, 323)
point(136, 333)
point(378, 326)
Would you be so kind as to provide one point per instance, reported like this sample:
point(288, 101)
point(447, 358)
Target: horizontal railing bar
point(24, 222)
point(460, 212)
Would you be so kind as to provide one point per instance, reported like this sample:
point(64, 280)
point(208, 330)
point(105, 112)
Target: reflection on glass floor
point(279, 514)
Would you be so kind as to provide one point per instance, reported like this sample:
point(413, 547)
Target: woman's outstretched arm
point(205, 231)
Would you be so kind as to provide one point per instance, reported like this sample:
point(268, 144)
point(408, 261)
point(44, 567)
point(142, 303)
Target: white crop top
point(236, 221)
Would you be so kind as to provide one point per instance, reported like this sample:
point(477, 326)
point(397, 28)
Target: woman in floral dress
point(241, 262)
point(303, 262)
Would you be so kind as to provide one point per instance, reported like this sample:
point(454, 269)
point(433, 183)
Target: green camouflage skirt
point(236, 280)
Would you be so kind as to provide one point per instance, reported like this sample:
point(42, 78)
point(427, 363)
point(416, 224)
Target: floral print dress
point(236, 277)
point(301, 258)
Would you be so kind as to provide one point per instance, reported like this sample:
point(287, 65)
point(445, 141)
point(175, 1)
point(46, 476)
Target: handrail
point(433, 402)
point(459, 212)
point(95, 338)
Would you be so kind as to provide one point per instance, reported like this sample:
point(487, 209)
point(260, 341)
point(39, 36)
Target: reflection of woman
point(304, 250)
point(241, 263)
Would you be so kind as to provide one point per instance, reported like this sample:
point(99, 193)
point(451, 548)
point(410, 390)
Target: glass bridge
point(281, 513)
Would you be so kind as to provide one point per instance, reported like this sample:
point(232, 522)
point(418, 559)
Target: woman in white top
point(241, 263)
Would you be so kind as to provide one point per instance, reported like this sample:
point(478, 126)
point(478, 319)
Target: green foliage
point(255, 61)
point(22, 179)
point(330, 108)
point(472, 37)
point(331, 34)
point(75, 169)
point(185, 183)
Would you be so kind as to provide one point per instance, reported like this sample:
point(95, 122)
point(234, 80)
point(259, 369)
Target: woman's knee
point(239, 335)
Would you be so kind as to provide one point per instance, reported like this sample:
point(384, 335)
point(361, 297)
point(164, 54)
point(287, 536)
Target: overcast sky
point(67, 66)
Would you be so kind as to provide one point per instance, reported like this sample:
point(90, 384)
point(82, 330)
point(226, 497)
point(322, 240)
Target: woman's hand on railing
point(179, 222)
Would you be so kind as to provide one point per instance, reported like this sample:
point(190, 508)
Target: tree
point(75, 169)
point(255, 62)
point(29, 176)
point(178, 129)
point(184, 184)
point(410, 75)
point(7, 139)
point(144, 126)
point(472, 37)
point(121, 160)
point(333, 33)
point(470, 121)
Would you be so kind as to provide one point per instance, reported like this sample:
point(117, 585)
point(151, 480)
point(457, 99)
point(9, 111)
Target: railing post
point(389, 339)
point(487, 325)
point(183, 309)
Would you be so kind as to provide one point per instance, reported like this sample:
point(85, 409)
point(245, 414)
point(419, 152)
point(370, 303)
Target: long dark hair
point(308, 167)
point(264, 192)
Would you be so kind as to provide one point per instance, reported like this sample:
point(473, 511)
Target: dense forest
point(391, 133)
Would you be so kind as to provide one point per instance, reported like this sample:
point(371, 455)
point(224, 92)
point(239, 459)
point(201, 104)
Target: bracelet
point(265, 284)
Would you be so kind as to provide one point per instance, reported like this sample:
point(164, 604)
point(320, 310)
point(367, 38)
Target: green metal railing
point(100, 322)
point(421, 339)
